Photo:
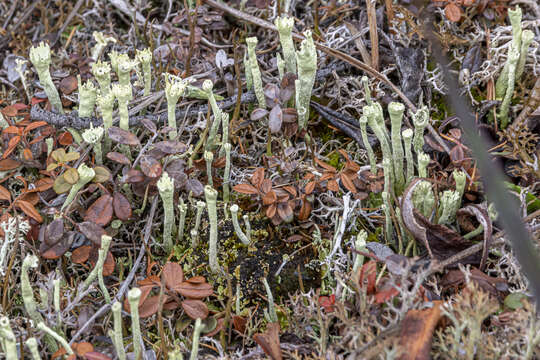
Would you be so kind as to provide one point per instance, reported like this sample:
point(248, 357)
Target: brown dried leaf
point(171, 147)
point(195, 309)
point(150, 167)
point(9, 164)
point(118, 157)
point(122, 207)
point(172, 274)
point(347, 182)
point(325, 166)
point(245, 189)
point(150, 306)
point(417, 332)
point(332, 185)
point(257, 177)
point(68, 85)
point(269, 198)
point(122, 136)
point(92, 231)
point(269, 341)
point(100, 211)
point(310, 186)
point(5, 194)
point(94, 355)
point(29, 210)
point(194, 291)
point(452, 12)
point(81, 254)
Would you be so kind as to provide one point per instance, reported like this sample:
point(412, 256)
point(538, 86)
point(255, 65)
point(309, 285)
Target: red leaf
point(122, 207)
point(194, 291)
point(172, 274)
point(269, 341)
point(9, 164)
point(4, 194)
point(245, 189)
point(29, 210)
point(195, 309)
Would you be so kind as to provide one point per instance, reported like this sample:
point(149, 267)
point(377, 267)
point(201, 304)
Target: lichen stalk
point(227, 172)
point(371, 155)
point(420, 121)
point(513, 58)
point(306, 60)
point(376, 122)
point(195, 343)
point(237, 229)
point(182, 209)
point(527, 37)
point(9, 341)
point(388, 226)
point(93, 137)
point(501, 85)
point(255, 71)
point(423, 161)
point(134, 296)
point(118, 339)
point(101, 44)
point(210, 195)
point(124, 95)
point(449, 204)
point(124, 66)
point(396, 110)
point(209, 158)
point(407, 136)
point(145, 59)
point(174, 89)
point(166, 190)
point(367, 91)
point(32, 345)
point(359, 245)
point(102, 255)
point(41, 326)
point(225, 135)
point(285, 26)
point(271, 306)
point(40, 56)
point(461, 180)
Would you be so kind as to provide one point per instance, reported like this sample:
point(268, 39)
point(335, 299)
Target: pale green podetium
point(182, 209)
point(105, 104)
point(166, 190)
point(527, 37)
point(195, 231)
point(174, 89)
point(101, 44)
point(87, 98)
point(8, 339)
point(360, 245)
point(449, 202)
point(227, 172)
point(306, 60)
point(124, 95)
point(388, 226)
point(134, 296)
point(247, 71)
point(93, 137)
point(195, 343)
point(270, 313)
point(41, 326)
point(225, 135)
point(210, 195)
point(396, 110)
point(117, 337)
point(407, 136)
point(207, 87)
point(102, 73)
point(423, 162)
point(40, 56)
point(145, 59)
point(255, 71)
point(513, 58)
point(420, 121)
point(95, 273)
point(515, 16)
point(461, 180)
point(371, 155)
point(32, 345)
point(237, 229)
point(86, 175)
point(285, 27)
point(20, 66)
point(124, 66)
point(376, 122)
point(423, 198)
point(209, 158)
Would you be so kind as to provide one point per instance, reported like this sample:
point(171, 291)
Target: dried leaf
point(258, 114)
point(122, 136)
point(172, 274)
point(310, 186)
point(71, 176)
point(122, 207)
point(332, 185)
point(269, 341)
point(347, 182)
point(8, 164)
point(150, 306)
point(246, 189)
point(195, 309)
point(81, 254)
point(102, 174)
point(150, 167)
point(65, 139)
point(325, 166)
point(417, 332)
point(452, 12)
point(194, 291)
point(82, 348)
point(52, 251)
point(484, 219)
point(257, 177)
point(9, 111)
point(171, 147)
point(29, 210)
point(118, 157)
point(101, 211)
point(269, 198)
point(92, 231)
point(239, 323)
point(5, 194)
point(108, 265)
point(275, 119)
point(68, 85)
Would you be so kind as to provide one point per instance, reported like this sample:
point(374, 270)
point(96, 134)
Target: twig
point(129, 278)
point(373, 36)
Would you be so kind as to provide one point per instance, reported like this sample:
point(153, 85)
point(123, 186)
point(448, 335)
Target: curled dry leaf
point(52, 250)
point(9, 164)
point(4, 194)
point(417, 332)
point(484, 219)
point(195, 309)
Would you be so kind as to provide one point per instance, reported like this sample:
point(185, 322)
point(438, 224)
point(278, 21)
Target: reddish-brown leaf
point(108, 266)
point(266, 186)
point(285, 212)
point(118, 157)
point(195, 309)
point(12, 144)
point(269, 341)
point(257, 177)
point(10, 110)
point(269, 198)
point(347, 182)
point(92, 231)
point(172, 274)
point(196, 279)
point(245, 189)
point(271, 211)
point(8, 164)
point(43, 184)
point(194, 291)
point(82, 348)
point(122, 207)
point(4, 194)
point(100, 211)
point(327, 176)
point(29, 210)
point(310, 186)
point(68, 84)
point(171, 147)
point(417, 332)
point(150, 166)
point(33, 125)
point(332, 185)
point(452, 12)
point(150, 306)
point(122, 136)
point(325, 166)
point(239, 323)
point(81, 254)
point(65, 138)
point(305, 210)
point(27, 154)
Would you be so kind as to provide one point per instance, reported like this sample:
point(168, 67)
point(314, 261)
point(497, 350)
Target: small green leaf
point(71, 176)
point(514, 301)
point(61, 185)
